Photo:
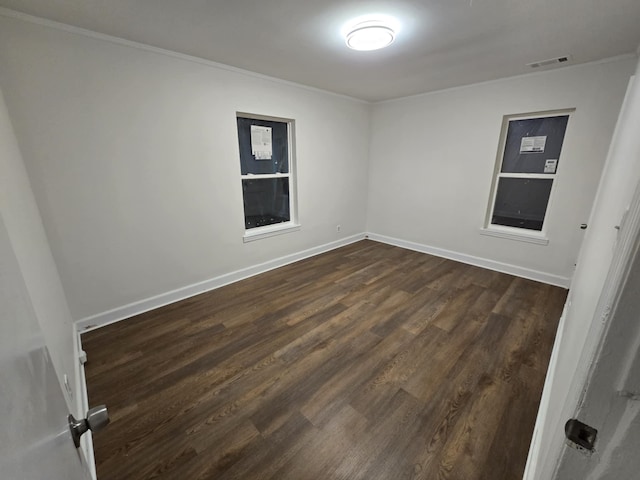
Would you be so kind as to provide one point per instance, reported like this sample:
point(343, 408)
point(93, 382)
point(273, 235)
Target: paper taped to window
point(533, 144)
point(261, 142)
point(550, 165)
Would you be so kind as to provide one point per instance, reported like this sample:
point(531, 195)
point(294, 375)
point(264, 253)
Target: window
point(266, 167)
point(526, 173)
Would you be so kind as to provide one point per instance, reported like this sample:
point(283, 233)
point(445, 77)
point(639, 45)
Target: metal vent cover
point(551, 61)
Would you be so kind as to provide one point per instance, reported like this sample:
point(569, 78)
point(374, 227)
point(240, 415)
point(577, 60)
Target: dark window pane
point(521, 202)
point(527, 157)
point(279, 161)
point(266, 201)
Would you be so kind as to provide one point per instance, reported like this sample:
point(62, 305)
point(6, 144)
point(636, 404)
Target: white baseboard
point(536, 275)
point(136, 308)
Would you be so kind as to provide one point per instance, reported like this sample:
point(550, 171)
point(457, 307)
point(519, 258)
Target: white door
point(593, 288)
point(611, 403)
point(35, 441)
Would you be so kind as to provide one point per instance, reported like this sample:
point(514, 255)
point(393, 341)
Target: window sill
point(270, 231)
point(537, 239)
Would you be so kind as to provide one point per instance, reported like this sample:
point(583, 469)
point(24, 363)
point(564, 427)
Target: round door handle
point(97, 419)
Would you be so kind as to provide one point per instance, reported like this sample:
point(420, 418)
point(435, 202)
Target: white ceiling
point(441, 43)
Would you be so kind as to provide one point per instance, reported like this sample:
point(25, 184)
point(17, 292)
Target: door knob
point(97, 419)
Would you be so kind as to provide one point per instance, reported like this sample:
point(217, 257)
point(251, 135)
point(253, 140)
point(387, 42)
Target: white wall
point(24, 225)
point(432, 159)
point(133, 158)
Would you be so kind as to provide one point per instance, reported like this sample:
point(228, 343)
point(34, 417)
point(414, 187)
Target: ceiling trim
point(616, 58)
point(7, 12)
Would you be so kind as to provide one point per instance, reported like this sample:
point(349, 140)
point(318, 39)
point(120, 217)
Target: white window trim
point(538, 237)
point(293, 224)
point(502, 231)
point(270, 231)
point(266, 175)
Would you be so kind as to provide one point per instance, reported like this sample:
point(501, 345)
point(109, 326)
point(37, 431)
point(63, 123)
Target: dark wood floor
point(368, 362)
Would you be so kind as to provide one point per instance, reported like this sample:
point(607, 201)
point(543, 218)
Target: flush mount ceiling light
point(370, 35)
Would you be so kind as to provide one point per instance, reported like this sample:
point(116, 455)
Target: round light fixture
point(370, 35)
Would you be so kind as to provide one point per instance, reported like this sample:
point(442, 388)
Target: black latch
point(581, 434)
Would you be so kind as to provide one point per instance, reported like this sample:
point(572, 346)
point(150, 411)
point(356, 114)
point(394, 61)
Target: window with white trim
point(526, 172)
point(267, 173)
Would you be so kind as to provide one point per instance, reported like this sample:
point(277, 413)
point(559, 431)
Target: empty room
point(299, 240)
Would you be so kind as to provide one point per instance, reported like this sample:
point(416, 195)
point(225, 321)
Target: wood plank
point(366, 362)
